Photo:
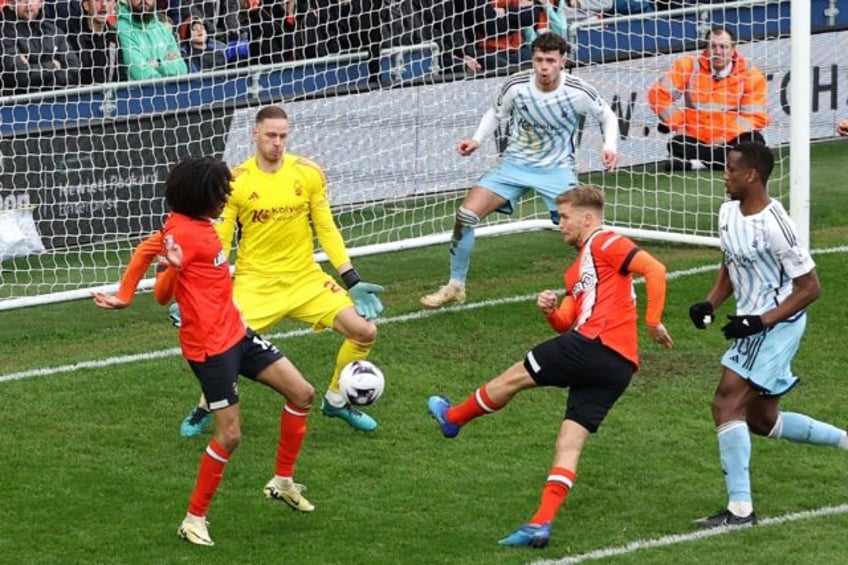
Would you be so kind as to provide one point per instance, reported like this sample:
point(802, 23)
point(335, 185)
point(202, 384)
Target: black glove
point(742, 326)
point(701, 314)
point(662, 127)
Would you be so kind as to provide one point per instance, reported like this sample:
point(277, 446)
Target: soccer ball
point(361, 383)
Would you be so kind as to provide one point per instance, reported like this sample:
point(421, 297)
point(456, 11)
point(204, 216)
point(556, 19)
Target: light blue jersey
point(762, 254)
point(542, 126)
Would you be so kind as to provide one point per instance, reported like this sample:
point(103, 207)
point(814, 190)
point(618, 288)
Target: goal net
point(82, 166)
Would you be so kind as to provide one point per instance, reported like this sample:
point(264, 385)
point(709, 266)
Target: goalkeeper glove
point(174, 315)
point(364, 295)
point(701, 314)
point(742, 326)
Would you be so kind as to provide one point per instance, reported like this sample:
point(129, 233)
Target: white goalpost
point(81, 169)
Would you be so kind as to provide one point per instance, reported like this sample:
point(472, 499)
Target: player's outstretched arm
point(365, 296)
point(144, 254)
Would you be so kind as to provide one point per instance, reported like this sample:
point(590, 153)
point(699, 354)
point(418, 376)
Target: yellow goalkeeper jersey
point(279, 215)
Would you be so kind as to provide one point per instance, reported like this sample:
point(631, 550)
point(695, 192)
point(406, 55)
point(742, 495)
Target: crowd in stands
point(50, 44)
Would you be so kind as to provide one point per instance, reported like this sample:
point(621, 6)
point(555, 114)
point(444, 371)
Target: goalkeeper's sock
point(209, 475)
point(477, 404)
point(461, 249)
point(559, 484)
point(734, 446)
point(349, 352)
point(803, 429)
point(292, 432)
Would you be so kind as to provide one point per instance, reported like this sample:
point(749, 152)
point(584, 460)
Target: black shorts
point(595, 374)
point(219, 373)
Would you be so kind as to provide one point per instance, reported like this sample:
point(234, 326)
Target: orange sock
point(559, 484)
point(477, 404)
point(209, 475)
point(292, 432)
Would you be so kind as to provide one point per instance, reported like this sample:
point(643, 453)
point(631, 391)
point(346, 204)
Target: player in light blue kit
point(773, 279)
point(545, 109)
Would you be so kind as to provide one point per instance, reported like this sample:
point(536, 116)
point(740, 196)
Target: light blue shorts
point(765, 359)
point(512, 181)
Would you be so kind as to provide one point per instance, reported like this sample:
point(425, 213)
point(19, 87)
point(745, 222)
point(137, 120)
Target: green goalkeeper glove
point(364, 295)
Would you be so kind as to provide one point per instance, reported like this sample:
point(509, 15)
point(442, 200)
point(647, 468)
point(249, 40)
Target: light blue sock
point(461, 250)
point(734, 446)
point(803, 429)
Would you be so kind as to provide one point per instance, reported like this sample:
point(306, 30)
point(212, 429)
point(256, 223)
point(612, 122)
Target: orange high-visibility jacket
point(713, 110)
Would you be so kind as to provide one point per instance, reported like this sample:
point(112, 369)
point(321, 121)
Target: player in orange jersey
point(595, 356)
point(218, 345)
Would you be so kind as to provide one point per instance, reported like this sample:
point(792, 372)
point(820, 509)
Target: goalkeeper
point(279, 203)
point(773, 279)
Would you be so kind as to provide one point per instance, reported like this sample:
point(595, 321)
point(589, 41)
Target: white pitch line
point(173, 352)
point(694, 536)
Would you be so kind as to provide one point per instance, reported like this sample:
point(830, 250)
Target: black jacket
point(99, 53)
point(40, 42)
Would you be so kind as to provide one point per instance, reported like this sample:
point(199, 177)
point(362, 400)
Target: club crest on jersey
point(298, 188)
point(587, 282)
point(220, 259)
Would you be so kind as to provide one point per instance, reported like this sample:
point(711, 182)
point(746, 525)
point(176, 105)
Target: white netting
point(379, 91)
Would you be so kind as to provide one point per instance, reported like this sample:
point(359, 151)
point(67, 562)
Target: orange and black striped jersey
point(600, 300)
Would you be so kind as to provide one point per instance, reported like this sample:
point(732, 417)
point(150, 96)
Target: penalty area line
point(674, 539)
point(174, 352)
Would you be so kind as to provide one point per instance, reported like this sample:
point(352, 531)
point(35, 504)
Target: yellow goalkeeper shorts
point(313, 297)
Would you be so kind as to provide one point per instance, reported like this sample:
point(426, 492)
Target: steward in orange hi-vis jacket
point(710, 102)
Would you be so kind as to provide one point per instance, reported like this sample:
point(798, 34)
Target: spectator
point(842, 127)
point(95, 40)
point(488, 35)
point(273, 28)
point(221, 17)
point(710, 102)
point(200, 52)
point(35, 54)
point(148, 46)
point(501, 44)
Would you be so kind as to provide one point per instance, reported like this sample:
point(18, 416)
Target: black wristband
point(350, 278)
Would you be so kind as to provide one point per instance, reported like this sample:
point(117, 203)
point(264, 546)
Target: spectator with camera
point(710, 102)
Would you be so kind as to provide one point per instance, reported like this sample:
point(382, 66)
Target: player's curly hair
point(756, 156)
point(198, 187)
point(550, 41)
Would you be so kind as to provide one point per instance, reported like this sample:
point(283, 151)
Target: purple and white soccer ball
point(361, 383)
